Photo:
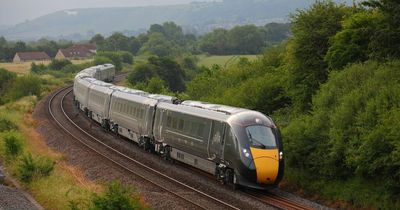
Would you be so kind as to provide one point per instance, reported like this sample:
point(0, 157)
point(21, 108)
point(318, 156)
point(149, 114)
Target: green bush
point(13, 146)
point(38, 68)
point(353, 130)
point(115, 58)
point(24, 86)
point(116, 197)
point(30, 167)
point(56, 64)
point(7, 125)
point(100, 60)
point(126, 57)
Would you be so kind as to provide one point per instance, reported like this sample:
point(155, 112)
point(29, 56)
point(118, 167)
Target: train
point(241, 147)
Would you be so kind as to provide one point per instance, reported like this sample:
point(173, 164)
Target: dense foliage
point(247, 39)
point(334, 91)
point(116, 197)
point(164, 69)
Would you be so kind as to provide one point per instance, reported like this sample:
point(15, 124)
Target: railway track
point(277, 201)
point(268, 198)
point(57, 111)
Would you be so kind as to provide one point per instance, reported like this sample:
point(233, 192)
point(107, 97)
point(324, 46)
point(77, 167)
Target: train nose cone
point(266, 162)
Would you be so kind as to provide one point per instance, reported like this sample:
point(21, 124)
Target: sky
point(17, 11)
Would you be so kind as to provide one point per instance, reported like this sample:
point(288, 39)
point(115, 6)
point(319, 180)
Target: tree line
point(167, 39)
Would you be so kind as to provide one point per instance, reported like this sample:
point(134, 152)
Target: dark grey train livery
point(239, 146)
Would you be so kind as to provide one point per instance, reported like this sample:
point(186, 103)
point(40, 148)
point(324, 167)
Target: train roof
point(231, 115)
point(128, 90)
point(135, 98)
point(203, 113)
point(101, 88)
point(163, 98)
point(214, 107)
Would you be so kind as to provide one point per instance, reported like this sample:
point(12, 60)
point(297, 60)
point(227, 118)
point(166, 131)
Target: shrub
point(7, 125)
point(24, 86)
point(30, 167)
point(59, 64)
point(12, 146)
point(115, 58)
point(99, 60)
point(38, 68)
point(126, 57)
point(116, 197)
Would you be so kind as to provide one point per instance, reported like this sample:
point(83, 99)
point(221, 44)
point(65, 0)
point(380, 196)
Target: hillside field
point(25, 67)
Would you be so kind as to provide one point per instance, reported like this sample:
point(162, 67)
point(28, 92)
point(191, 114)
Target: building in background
point(77, 51)
point(30, 56)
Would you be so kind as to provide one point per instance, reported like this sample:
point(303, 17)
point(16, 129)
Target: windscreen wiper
point(251, 139)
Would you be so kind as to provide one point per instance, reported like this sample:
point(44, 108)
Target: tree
point(99, 40)
point(351, 44)
point(170, 71)
point(216, 42)
point(246, 39)
point(385, 41)
point(160, 46)
point(311, 30)
point(142, 73)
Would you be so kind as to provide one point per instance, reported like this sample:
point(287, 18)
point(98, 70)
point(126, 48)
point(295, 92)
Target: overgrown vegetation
point(334, 91)
point(115, 197)
point(31, 167)
point(12, 145)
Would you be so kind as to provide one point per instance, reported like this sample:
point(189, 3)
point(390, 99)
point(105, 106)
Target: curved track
point(61, 118)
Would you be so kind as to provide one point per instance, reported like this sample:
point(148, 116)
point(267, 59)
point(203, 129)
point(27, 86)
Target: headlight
point(246, 153)
point(280, 155)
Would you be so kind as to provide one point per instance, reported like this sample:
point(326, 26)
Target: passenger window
point(186, 126)
point(181, 123)
point(193, 128)
point(169, 119)
point(200, 130)
point(141, 113)
point(174, 123)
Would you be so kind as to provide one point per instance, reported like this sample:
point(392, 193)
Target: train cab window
point(261, 136)
point(180, 125)
point(169, 121)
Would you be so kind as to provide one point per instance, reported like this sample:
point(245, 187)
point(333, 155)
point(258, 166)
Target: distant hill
point(196, 18)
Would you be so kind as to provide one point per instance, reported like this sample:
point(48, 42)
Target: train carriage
point(81, 92)
point(131, 115)
point(188, 132)
point(222, 140)
point(99, 102)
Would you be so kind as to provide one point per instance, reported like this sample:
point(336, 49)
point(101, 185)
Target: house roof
point(33, 55)
point(79, 50)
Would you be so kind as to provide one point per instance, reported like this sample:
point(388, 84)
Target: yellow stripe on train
point(267, 164)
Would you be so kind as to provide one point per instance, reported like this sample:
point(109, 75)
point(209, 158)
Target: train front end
point(260, 162)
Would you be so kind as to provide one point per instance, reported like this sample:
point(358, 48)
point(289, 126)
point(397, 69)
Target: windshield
point(261, 136)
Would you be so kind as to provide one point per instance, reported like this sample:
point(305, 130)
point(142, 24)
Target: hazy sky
point(17, 11)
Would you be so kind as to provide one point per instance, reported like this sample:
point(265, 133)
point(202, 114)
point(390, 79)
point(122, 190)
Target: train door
point(215, 143)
